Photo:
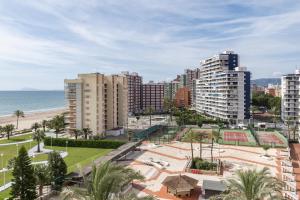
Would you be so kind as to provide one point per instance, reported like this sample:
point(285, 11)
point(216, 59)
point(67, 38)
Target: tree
point(23, 182)
point(44, 125)
point(58, 170)
point(191, 137)
point(35, 126)
point(38, 135)
point(58, 124)
point(276, 112)
point(18, 114)
point(200, 139)
point(8, 129)
point(105, 183)
point(149, 111)
point(42, 176)
point(86, 132)
point(77, 132)
point(215, 136)
point(253, 185)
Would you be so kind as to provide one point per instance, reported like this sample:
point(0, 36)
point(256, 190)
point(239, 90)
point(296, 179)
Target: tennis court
point(271, 138)
point(238, 137)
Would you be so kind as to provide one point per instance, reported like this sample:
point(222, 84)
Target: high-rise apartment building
point(134, 92)
point(191, 76)
point(183, 98)
point(96, 101)
point(290, 101)
point(223, 89)
point(153, 96)
point(170, 89)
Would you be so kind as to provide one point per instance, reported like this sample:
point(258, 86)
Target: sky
point(42, 42)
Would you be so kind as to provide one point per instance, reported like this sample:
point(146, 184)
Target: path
point(15, 143)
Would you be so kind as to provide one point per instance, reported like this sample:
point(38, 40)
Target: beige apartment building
point(97, 101)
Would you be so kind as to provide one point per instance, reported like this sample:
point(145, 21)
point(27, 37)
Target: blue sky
point(44, 41)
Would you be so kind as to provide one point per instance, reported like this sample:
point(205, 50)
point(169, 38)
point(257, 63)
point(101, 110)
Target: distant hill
point(266, 81)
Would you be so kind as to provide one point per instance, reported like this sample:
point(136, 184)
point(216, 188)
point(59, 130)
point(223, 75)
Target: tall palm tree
point(42, 174)
point(104, 183)
point(200, 139)
point(8, 129)
point(86, 132)
point(35, 126)
point(38, 135)
point(275, 111)
point(253, 185)
point(44, 125)
point(77, 132)
point(215, 136)
point(18, 114)
point(58, 124)
point(149, 111)
point(191, 137)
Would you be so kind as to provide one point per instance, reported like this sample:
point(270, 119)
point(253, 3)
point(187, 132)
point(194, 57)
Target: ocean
point(30, 101)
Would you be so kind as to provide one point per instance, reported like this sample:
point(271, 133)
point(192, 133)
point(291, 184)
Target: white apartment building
point(290, 102)
point(97, 102)
point(223, 89)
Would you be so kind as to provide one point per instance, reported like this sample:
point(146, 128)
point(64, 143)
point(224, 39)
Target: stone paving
point(177, 154)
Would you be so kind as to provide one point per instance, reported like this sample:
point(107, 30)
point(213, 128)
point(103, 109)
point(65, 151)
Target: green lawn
point(77, 156)
point(80, 156)
point(17, 138)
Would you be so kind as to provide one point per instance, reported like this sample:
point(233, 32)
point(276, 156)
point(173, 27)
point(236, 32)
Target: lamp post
point(17, 149)
point(2, 161)
point(67, 146)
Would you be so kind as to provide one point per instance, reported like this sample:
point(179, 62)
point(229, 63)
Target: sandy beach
point(30, 118)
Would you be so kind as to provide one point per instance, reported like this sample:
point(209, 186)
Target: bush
point(104, 144)
point(203, 164)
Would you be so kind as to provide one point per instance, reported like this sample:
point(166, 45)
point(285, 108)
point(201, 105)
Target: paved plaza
point(174, 157)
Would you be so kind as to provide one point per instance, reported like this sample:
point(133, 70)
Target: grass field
point(17, 138)
point(76, 157)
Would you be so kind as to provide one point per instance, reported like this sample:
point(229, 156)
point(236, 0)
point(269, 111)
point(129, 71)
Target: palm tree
point(191, 137)
point(149, 111)
point(86, 132)
point(44, 125)
point(18, 114)
point(38, 135)
point(104, 183)
point(35, 126)
point(215, 136)
point(276, 111)
point(200, 139)
point(42, 174)
point(57, 123)
point(77, 132)
point(8, 129)
point(254, 185)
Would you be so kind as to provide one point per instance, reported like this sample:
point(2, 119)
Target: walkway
point(15, 143)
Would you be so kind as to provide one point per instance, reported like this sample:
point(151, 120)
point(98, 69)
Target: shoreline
point(35, 111)
point(31, 117)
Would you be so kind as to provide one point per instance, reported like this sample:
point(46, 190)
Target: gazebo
point(180, 185)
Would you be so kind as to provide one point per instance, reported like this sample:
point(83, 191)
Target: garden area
point(80, 153)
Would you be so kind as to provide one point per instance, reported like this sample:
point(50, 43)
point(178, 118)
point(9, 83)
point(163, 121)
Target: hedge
point(104, 144)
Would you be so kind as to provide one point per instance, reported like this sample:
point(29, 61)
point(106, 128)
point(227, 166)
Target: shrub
point(203, 164)
point(104, 144)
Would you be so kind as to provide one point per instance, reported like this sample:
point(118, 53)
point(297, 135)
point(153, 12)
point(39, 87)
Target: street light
point(67, 146)
point(17, 149)
point(2, 160)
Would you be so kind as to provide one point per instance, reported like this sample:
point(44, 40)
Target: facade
point(274, 90)
point(153, 96)
point(170, 89)
point(183, 98)
point(134, 92)
point(97, 102)
point(290, 114)
point(223, 89)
